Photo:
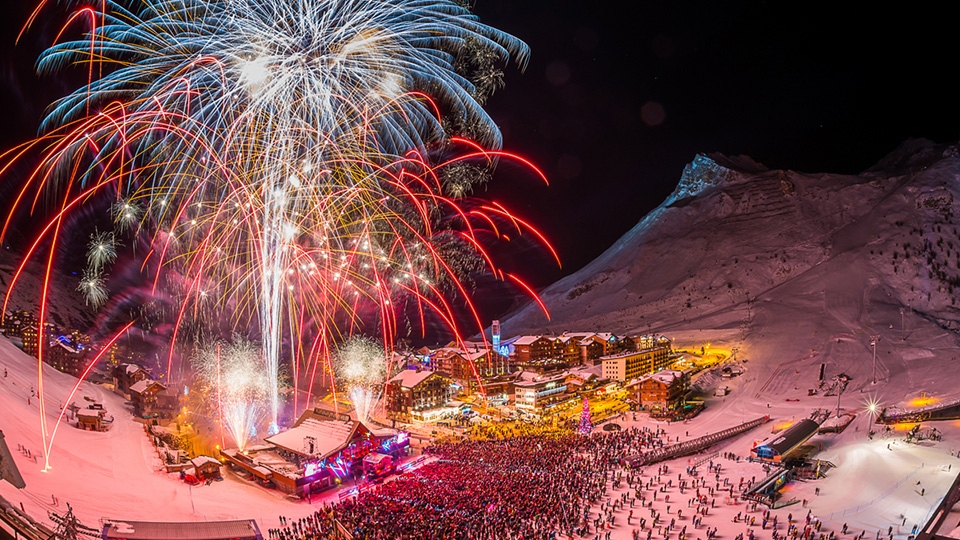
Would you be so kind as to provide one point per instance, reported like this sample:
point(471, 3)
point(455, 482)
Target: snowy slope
point(115, 474)
point(785, 265)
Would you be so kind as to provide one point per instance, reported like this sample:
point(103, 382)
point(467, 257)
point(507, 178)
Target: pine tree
point(585, 424)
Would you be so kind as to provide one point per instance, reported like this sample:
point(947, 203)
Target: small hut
point(90, 419)
point(206, 467)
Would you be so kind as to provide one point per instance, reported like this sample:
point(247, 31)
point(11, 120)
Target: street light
point(873, 342)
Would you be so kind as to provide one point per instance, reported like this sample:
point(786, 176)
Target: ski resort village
point(732, 395)
point(478, 270)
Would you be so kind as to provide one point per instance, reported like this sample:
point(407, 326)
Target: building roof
point(328, 436)
point(130, 369)
point(69, 347)
point(200, 461)
point(525, 340)
point(793, 436)
point(140, 387)
point(375, 458)
point(241, 529)
point(410, 378)
point(470, 355)
point(540, 380)
point(89, 413)
point(585, 372)
point(666, 376)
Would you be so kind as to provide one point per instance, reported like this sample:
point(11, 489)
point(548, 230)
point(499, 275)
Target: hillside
point(789, 267)
point(66, 306)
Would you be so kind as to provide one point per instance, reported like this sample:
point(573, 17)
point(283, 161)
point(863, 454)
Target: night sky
point(619, 96)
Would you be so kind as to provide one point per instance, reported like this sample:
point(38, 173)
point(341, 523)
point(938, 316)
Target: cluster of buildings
point(321, 450)
point(66, 350)
point(535, 373)
point(149, 397)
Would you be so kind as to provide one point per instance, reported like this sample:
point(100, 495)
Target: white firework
point(101, 250)
point(236, 383)
point(93, 288)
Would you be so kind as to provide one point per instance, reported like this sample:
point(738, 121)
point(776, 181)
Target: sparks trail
point(287, 167)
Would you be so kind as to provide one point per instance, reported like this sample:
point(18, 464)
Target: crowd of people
point(528, 487)
point(560, 487)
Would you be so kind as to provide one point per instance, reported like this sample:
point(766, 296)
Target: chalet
point(664, 390)
point(205, 467)
point(569, 349)
point(413, 394)
point(67, 354)
point(31, 339)
point(532, 348)
point(91, 419)
point(465, 367)
point(126, 375)
point(143, 394)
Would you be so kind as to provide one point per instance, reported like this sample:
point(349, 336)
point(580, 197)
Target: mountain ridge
point(739, 250)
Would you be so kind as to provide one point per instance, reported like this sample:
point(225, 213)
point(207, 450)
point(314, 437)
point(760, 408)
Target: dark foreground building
point(241, 529)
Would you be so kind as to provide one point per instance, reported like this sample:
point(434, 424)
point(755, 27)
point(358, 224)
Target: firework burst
point(285, 160)
point(235, 383)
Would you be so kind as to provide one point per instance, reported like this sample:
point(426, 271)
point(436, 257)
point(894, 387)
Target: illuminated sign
point(312, 468)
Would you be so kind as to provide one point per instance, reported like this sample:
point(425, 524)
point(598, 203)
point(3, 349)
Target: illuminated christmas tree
point(585, 424)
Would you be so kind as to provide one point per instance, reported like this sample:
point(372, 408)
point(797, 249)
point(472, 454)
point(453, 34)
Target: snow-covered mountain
point(65, 306)
point(787, 265)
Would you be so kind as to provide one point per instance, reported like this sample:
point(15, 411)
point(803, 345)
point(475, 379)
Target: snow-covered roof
point(410, 378)
point(667, 376)
point(140, 386)
point(526, 376)
point(540, 380)
point(88, 413)
point(200, 461)
point(328, 437)
point(72, 348)
point(471, 354)
point(585, 372)
point(130, 369)
point(525, 340)
point(384, 432)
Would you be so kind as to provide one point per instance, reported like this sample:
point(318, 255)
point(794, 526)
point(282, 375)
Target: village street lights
point(873, 342)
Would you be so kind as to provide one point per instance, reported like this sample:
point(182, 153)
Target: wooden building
point(90, 419)
point(413, 391)
point(126, 375)
point(465, 367)
point(205, 467)
point(143, 395)
point(664, 390)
